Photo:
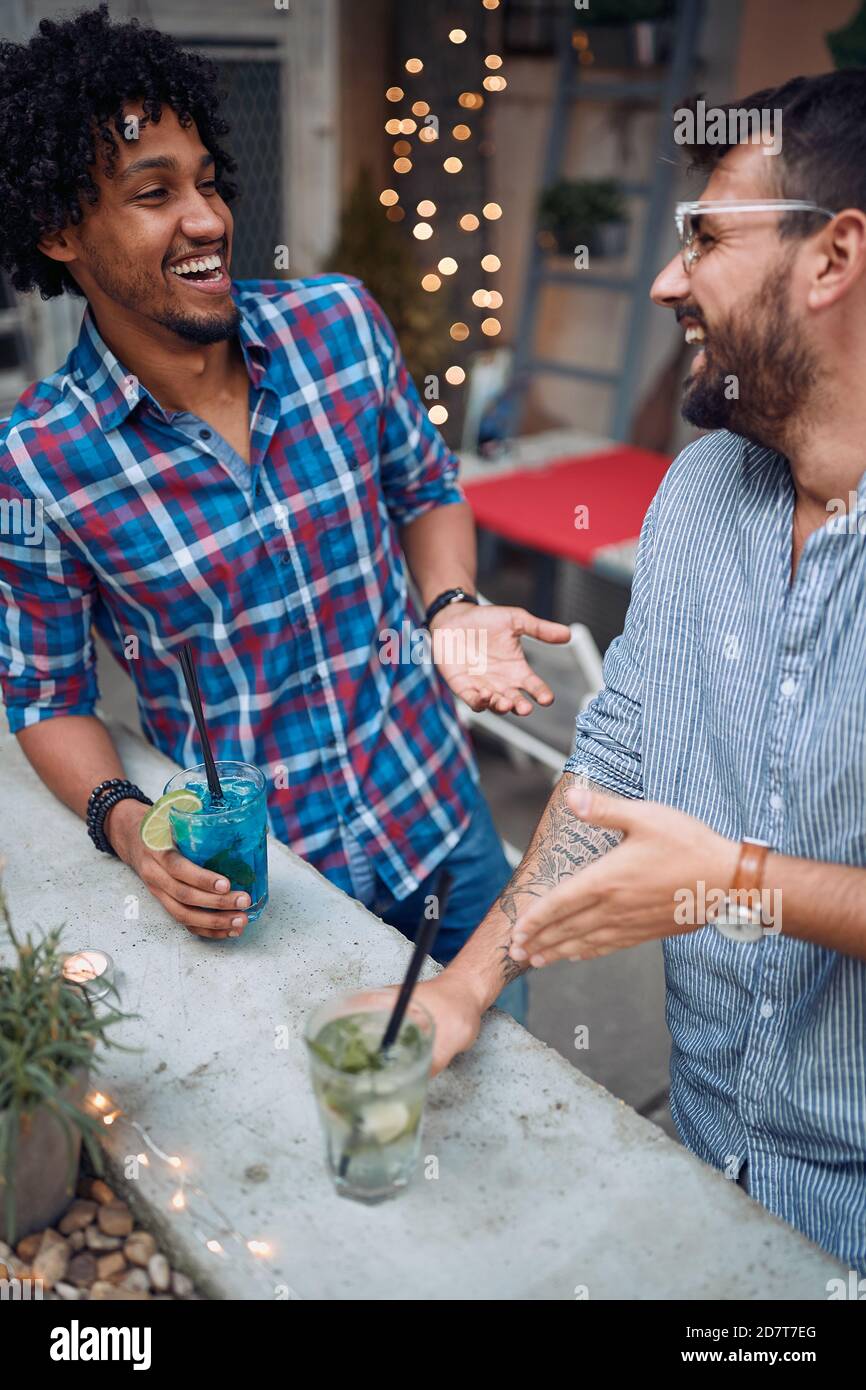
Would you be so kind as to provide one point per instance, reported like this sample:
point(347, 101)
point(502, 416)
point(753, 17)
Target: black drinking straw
point(191, 679)
point(423, 946)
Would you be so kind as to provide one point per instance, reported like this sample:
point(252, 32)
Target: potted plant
point(49, 1031)
point(584, 212)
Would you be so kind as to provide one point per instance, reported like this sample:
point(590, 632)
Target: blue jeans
point(479, 871)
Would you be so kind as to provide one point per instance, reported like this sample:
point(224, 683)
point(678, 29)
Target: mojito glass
point(370, 1103)
point(230, 838)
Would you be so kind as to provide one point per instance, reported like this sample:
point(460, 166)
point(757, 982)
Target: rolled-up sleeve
point(417, 468)
point(608, 733)
point(47, 661)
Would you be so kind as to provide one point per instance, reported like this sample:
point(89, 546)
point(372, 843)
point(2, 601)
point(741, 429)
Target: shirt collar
point(115, 392)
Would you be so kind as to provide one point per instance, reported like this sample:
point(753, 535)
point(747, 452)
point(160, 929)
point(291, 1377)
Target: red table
point(537, 507)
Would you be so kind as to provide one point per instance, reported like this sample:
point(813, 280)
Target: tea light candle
point(91, 969)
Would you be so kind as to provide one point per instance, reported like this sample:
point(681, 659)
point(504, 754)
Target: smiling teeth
point(695, 335)
point(204, 263)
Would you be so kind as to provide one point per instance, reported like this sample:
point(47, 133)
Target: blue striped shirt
point(739, 698)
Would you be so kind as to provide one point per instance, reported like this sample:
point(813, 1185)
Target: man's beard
point(758, 373)
point(138, 292)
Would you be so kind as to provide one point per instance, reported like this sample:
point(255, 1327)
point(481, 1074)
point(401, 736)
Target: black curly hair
point(61, 91)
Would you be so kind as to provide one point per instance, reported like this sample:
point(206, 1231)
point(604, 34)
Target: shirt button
point(285, 557)
point(788, 686)
point(204, 434)
point(776, 801)
point(315, 679)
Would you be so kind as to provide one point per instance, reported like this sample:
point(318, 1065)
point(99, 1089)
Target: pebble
point(51, 1263)
point(76, 1241)
point(115, 1219)
point(79, 1215)
point(67, 1291)
point(110, 1264)
point(27, 1247)
point(102, 1291)
point(136, 1279)
point(97, 1190)
point(139, 1248)
point(159, 1272)
point(97, 1240)
point(82, 1269)
point(181, 1284)
point(5, 1250)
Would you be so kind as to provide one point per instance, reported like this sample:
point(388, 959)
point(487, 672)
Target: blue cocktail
point(231, 837)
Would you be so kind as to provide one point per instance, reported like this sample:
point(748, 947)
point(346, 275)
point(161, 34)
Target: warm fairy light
point(425, 208)
point(175, 1161)
point(469, 222)
point(481, 299)
point(452, 165)
point(461, 132)
point(178, 1201)
point(414, 65)
point(394, 94)
point(495, 84)
point(143, 1160)
point(457, 36)
point(408, 127)
point(395, 214)
point(459, 332)
point(420, 108)
point(100, 1101)
point(495, 299)
point(493, 60)
point(431, 283)
point(402, 147)
point(423, 231)
point(259, 1247)
point(471, 101)
point(388, 197)
point(491, 327)
point(587, 57)
point(402, 166)
point(214, 1247)
point(437, 415)
point(455, 376)
point(109, 1119)
point(490, 4)
point(491, 263)
point(393, 127)
point(428, 135)
point(579, 40)
point(447, 265)
point(492, 211)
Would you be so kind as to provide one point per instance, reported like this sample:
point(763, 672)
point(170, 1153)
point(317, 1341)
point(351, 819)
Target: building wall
point(784, 38)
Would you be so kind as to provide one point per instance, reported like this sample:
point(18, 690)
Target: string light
point(459, 332)
point(423, 231)
point(481, 299)
point(428, 135)
point(394, 94)
point(490, 4)
point(414, 65)
point(395, 214)
point(457, 36)
point(491, 263)
point(402, 166)
point(471, 101)
point(431, 283)
point(495, 299)
point(452, 165)
point(492, 211)
point(437, 415)
point(425, 208)
point(447, 265)
point(402, 147)
point(420, 108)
point(388, 197)
point(491, 327)
point(461, 132)
point(469, 222)
point(179, 1200)
point(393, 127)
point(493, 60)
point(455, 376)
point(495, 84)
point(408, 127)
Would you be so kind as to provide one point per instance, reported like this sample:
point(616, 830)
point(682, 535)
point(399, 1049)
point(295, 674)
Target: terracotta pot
point(43, 1185)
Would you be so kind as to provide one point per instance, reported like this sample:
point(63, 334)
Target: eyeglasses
point(686, 215)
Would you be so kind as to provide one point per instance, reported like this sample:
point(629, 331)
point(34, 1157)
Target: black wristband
point(100, 802)
point(449, 596)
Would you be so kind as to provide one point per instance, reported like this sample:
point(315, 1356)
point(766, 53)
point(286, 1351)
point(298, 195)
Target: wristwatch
point(735, 918)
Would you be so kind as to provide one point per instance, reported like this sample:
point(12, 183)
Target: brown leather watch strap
point(749, 873)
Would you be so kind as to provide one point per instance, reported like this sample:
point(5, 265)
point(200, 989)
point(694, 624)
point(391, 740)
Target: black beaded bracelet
point(449, 596)
point(100, 802)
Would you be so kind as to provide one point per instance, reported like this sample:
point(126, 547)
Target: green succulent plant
point(49, 1031)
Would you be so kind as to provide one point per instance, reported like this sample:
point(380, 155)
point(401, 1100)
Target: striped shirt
point(282, 573)
point(741, 700)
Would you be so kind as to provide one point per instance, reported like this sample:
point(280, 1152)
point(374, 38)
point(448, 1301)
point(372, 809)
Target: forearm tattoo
point(561, 846)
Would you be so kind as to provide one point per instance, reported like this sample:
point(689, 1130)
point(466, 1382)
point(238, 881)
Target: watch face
point(737, 922)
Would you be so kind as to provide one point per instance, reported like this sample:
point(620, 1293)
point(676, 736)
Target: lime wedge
point(155, 829)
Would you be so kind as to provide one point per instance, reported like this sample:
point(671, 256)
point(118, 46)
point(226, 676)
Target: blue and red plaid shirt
point(282, 578)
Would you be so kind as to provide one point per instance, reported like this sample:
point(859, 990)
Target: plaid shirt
point(282, 579)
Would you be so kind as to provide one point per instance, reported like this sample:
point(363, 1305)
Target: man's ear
point(57, 247)
point(843, 259)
